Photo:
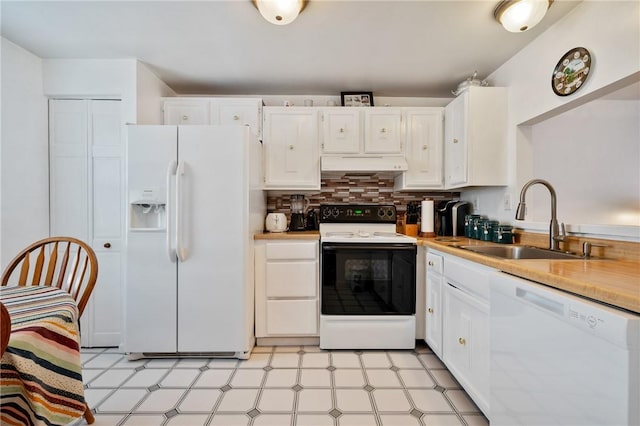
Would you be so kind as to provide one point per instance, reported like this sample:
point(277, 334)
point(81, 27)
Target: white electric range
point(368, 279)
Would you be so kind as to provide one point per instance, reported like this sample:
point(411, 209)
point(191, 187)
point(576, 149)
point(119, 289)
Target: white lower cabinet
point(464, 327)
point(433, 314)
point(286, 288)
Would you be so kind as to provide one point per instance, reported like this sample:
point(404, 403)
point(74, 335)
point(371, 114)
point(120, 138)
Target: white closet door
point(86, 201)
point(68, 168)
point(104, 311)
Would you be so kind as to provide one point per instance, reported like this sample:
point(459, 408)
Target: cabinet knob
point(455, 140)
point(341, 130)
point(290, 147)
point(383, 130)
point(462, 341)
point(424, 147)
point(430, 310)
point(107, 245)
point(236, 117)
point(185, 117)
point(430, 263)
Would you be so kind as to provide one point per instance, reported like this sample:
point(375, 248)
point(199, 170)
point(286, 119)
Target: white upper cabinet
point(475, 146)
point(382, 131)
point(423, 149)
point(341, 130)
point(204, 111)
point(245, 112)
point(354, 130)
point(290, 148)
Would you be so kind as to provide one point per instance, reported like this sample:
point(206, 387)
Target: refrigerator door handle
point(179, 249)
point(171, 170)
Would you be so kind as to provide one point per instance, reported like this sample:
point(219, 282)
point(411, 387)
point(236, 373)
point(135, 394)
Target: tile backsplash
point(352, 189)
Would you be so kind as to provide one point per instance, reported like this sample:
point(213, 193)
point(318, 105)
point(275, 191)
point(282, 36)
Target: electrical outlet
point(476, 204)
point(506, 202)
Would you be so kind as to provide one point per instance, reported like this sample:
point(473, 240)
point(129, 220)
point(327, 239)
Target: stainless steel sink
point(520, 252)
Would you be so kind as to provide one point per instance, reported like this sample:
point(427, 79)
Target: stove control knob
point(390, 212)
point(335, 212)
point(381, 212)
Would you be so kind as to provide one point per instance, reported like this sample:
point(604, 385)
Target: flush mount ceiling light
point(280, 12)
point(520, 15)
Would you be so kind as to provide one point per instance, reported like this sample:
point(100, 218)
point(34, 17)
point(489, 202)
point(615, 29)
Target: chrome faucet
point(554, 232)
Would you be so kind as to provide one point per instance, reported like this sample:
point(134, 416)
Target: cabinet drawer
point(434, 263)
point(288, 317)
point(291, 279)
point(292, 251)
point(470, 277)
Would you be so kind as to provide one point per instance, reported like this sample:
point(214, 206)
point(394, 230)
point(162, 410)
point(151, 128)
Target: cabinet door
point(185, 112)
point(341, 131)
point(382, 131)
point(456, 143)
point(234, 113)
point(424, 142)
point(104, 310)
point(292, 317)
point(292, 159)
point(466, 343)
point(433, 328)
point(291, 279)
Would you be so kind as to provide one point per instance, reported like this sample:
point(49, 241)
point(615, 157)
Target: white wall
point(611, 32)
point(597, 144)
point(149, 91)
point(113, 78)
point(24, 191)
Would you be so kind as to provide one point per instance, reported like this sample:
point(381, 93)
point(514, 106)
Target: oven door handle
point(368, 246)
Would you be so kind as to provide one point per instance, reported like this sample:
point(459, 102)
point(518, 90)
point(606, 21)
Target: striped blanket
point(40, 373)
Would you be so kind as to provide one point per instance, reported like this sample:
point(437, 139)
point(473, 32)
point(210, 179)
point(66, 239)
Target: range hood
point(396, 164)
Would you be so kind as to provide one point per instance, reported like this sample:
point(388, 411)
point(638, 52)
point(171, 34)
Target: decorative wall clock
point(571, 72)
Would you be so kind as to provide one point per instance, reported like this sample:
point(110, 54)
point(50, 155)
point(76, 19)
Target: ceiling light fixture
point(520, 15)
point(280, 12)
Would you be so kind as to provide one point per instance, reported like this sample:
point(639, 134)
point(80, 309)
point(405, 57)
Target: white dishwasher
point(559, 359)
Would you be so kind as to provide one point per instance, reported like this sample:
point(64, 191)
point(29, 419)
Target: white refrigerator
point(195, 200)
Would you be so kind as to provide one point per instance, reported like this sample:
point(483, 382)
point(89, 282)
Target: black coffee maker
point(298, 206)
point(312, 220)
point(450, 217)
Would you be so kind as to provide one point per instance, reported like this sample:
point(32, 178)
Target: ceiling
point(415, 48)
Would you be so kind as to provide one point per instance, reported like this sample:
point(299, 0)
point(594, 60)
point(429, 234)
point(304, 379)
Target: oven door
point(368, 278)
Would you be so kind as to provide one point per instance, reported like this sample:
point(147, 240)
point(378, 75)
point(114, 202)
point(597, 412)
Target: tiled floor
point(280, 386)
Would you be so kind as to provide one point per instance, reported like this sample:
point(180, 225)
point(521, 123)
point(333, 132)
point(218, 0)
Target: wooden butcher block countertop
point(297, 235)
point(612, 281)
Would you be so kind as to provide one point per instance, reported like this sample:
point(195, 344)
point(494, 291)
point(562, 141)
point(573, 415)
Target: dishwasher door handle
point(540, 301)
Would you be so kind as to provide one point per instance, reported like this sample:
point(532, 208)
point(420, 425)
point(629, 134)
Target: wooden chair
point(75, 273)
point(5, 328)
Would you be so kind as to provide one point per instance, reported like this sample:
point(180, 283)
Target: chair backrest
point(71, 265)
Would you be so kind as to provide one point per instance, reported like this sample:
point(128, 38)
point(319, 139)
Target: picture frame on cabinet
point(357, 99)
